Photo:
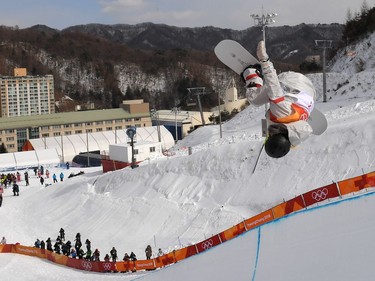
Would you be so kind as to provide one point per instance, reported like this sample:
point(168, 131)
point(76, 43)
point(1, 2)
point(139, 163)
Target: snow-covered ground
point(180, 200)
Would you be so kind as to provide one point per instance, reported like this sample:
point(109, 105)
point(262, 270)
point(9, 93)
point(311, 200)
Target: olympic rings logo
point(107, 266)
point(207, 244)
point(320, 194)
point(87, 265)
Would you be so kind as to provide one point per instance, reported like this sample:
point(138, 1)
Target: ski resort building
point(16, 131)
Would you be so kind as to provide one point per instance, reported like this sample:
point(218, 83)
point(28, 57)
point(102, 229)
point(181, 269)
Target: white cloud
point(116, 6)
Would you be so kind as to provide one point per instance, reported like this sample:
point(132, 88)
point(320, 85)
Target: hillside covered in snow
point(176, 201)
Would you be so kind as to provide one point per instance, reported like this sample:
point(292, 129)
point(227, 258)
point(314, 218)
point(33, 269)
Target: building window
point(78, 132)
point(56, 134)
point(10, 138)
point(56, 126)
point(152, 149)
point(109, 128)
point(67, 125)
point(45, 135)
point(89, 124)
point(118, 127)
point(89, 131)
point(99, 129)
point(99, 122)
point(67, 133)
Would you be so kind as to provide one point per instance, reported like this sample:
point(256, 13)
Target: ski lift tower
point(264, 20)
point(324, 44)
point(199, 91)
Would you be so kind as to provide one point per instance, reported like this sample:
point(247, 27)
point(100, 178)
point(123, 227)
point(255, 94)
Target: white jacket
point(286, 89)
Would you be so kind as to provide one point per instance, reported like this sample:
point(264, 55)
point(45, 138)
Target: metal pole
point(200, 109)
point(87, 143)
point(62, 148)
point(324, 76)
point(221, 131)
point(175, 119)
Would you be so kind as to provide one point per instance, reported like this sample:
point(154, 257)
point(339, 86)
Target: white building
point(142, 150)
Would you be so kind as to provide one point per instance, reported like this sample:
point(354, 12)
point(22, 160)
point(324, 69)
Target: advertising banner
point(320, 194)
point(208, 243)
point(259, 219)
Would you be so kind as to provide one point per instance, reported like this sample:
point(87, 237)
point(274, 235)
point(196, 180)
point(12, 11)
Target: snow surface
point(175, 201)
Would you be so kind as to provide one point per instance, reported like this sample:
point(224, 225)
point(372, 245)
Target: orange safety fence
point(299, 202)
point(357, 183)
point(288, 207)
point(232, 232)
point(320, 194)
point(259, 219)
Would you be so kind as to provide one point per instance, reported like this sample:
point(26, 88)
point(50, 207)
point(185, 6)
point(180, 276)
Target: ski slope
point(181, 200)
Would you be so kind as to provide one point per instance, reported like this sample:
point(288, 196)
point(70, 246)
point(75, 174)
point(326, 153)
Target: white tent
point(26, 159)
point(71, 145)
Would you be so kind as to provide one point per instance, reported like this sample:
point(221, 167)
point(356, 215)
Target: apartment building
point(23, 95)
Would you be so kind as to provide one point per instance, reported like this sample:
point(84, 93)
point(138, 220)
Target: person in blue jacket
point(61, 176)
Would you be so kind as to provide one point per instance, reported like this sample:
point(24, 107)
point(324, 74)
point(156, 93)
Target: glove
point(252, 78)
point(261, 52)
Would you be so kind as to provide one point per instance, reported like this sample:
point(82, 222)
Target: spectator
point(106, 258)
point(1, 199)
point(35, 170)
point(54, 177)
point(47, 174)
point(62, 234)
point(56, 248)
point(26, 174)
point(3, 241)
point(49, 244)
point(42, 245)
point(133, 257)
point(80, 254)
point(42, 170)
point(88, 255)
point(160, 252)
point(67, 165)
point(148, 252)
point(58, 240)
point(126, 257)
point(41, 180)
point(18, 176)
point(16, 189)
point(88, 244)
point(73, 253)
point(68, 246)
point(96, 255)
point(37, 243)
point(61, 176)
point(113, 253)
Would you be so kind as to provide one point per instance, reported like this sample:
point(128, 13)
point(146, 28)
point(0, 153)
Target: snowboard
point(236, 57)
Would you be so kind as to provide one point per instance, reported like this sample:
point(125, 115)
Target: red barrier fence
point(315, 196)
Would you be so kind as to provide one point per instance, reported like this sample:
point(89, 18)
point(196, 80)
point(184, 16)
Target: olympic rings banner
point(315, 196)
point(320, 194)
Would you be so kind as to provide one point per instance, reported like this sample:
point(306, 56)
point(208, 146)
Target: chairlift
point(191, 102)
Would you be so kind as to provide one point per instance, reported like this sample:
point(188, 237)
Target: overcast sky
point(233, 14)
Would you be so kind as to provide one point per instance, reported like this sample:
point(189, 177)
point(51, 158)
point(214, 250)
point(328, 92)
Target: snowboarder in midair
point(291, 96)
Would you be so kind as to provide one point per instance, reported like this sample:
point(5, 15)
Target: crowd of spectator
point(62, 247)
